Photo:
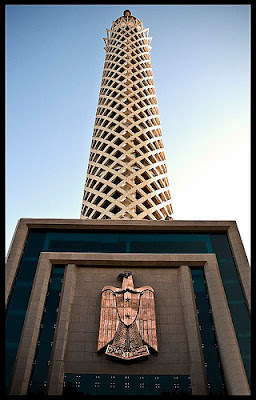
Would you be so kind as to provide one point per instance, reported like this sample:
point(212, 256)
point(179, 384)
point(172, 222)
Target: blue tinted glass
point(211, 357)
point(27, 271)
point(220, 246)
point(228, 270)
point(19, 300)
point(11, 351)
point(199, 285)
point(139, 242)
point(245, 345)
point(34, 244)
point(14, 322)
point(206, 336)
point(46, 336)
point(240, 317)
point(20, 294)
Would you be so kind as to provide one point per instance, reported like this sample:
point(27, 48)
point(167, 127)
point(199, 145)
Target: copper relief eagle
point(127, 320)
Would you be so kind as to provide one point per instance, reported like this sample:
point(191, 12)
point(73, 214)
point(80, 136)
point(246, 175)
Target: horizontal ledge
point(129, 259)
point(146, 225)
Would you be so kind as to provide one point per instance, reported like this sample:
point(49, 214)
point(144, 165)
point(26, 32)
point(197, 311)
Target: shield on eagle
point(127, 320)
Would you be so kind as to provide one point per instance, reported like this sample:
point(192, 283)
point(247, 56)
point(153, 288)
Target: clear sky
point(201, 66)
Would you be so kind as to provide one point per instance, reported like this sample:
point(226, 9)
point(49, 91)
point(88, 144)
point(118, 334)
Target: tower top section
point(127, 19)
point(127, 13)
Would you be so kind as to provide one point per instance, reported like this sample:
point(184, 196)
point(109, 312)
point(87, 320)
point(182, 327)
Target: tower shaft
point(127, 174)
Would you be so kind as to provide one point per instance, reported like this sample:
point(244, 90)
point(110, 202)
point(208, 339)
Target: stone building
point(76, 320)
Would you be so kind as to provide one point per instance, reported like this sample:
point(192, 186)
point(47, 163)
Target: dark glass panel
point(57, 245)
point(205, 317)
point(139, 242)
point(220, 246)
point(233, 291)
point(56, 284)
point(11, 351)
point(44, 347)
point(48, 332)
point(106, 247)
point(26, 271)
point(182, 243)
point(50, 315)
point(199, 285)
point(215, 390)
point(34, 244)
point(245, 344)
point(204, 306)
point(111, 238)
point(23, 284)
point(207, 337)
point(227, 270)
point(142, 247)
point(38, 388)
point(19, 300)
point(211, 356)
point(43, 352)
point(240, 317)
point(53, 295)
point(40, 370)
point(197, 273)
point(72, 241)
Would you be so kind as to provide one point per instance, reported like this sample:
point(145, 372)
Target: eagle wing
point(108, 317)
point(146, 318)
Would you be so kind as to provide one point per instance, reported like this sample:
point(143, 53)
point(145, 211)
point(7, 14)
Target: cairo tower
point(126, 300)
point(127, 174)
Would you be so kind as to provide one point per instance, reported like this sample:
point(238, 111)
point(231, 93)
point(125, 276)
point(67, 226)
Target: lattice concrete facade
point(127, 174)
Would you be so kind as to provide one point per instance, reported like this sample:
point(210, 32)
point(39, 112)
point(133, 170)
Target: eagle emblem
point(127, 320)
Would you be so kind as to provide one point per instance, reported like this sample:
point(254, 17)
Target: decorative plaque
point(127, 320)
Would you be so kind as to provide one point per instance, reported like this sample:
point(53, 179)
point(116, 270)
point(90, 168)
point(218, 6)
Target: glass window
point(227, 270)
point(46, 336)
point(210, 351)
point(199, 285)
point(34, 244)
point(245, 344)
point(47, 333)
point(14, 323)
point(19, 301)
point(11, 351)
point(233, 291)
point(26, 271)
point(240, 317)
point(220, 246)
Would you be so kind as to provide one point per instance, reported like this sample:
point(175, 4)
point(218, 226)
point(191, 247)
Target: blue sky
point(201, 66)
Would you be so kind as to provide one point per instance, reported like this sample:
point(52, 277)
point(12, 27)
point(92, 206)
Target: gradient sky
point(201, 66)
